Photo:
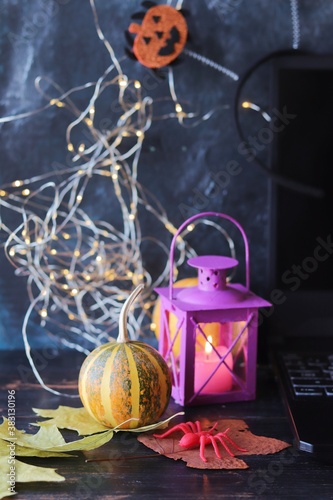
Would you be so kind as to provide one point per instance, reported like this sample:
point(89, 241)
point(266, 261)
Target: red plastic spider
point(194, 436)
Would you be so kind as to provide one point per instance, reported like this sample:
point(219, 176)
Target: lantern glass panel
point(220, 357)
point(171, 342)
point(174, 334)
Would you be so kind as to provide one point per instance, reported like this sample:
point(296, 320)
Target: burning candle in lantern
point(214, 306)
point(206, 362)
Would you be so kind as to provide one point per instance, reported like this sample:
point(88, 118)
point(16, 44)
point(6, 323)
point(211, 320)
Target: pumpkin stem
point(123, 332)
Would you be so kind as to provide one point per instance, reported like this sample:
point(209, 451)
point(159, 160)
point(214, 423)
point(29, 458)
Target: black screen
point(302, 150)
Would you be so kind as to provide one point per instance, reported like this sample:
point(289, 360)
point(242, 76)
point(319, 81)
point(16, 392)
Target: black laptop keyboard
point(310, 375)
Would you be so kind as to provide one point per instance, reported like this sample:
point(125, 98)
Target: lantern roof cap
point(216, 262)
point(235, 297)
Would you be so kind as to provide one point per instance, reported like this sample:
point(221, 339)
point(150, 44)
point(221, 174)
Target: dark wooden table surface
point(289, 474)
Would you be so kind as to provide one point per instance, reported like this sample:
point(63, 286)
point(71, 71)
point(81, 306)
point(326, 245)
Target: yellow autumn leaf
point(43, 440)
point(50, 439)
point(19, 472)
point(22, 451)
point(87, 443)
point(76, 419)
point(5, 490)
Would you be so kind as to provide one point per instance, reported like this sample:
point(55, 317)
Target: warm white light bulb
point(178, 108)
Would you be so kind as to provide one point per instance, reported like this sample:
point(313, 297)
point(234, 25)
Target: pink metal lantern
point(208, 332)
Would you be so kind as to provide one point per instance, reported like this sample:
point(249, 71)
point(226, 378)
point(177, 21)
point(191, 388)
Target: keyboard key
point(320, 382)
point(308, 391)
point(304, 373)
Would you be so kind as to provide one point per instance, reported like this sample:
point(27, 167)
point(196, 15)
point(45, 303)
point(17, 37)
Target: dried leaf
point(50, 439)
point(76, 419)
point(86, 443)
point(43, 440)
point(238, 432)
point(5, 491)
point(24, 473)
point(22, 451)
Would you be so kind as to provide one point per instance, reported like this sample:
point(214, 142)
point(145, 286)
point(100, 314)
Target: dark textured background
point(57, 38)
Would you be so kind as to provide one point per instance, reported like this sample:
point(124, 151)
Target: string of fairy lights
point(79, 270)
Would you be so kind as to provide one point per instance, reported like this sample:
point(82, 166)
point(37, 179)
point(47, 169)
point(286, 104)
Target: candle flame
point(208, 346)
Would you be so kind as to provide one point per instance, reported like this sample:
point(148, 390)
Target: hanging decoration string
point(294, 9)
point(212, 64)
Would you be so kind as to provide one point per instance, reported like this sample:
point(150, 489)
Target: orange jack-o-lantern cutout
point(161, 36)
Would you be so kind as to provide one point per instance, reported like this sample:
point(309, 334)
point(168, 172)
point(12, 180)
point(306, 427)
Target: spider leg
point(214, 427)
point(193, 427)
point(222, 437)
point(202, 448)
point(226, 447)
point(197, 426)
point(179, 427)
point(216, 449)
point(225, 436)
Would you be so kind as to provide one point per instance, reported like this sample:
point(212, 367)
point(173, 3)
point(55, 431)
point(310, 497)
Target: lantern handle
point(209, 214)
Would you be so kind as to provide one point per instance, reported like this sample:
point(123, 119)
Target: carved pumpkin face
point(161, 36)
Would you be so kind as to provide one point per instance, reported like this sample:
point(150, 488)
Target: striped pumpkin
point(125, 379)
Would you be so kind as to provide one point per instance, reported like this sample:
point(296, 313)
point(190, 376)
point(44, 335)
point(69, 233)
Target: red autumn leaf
point(238, 432)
